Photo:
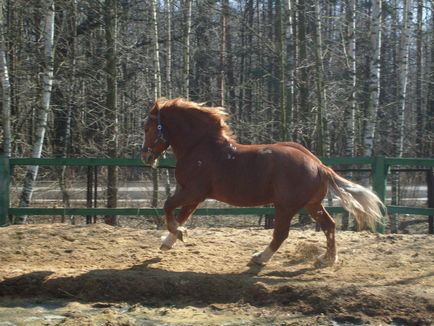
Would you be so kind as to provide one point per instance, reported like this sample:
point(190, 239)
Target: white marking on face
point(199, 163)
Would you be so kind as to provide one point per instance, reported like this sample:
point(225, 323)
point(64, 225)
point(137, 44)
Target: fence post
point(380, 170)
point(430, 183)
point(4, 189)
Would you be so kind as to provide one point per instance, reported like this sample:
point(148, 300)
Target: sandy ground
point(101, 275)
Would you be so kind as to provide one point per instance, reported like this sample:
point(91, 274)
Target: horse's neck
point(185, 136)
point(203, 142)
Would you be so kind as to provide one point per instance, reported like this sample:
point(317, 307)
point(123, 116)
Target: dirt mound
point(378, 277)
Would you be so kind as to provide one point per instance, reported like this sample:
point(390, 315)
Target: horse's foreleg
point(185, 213)
point(281, 229)
point(175, 232)
point(328, 226)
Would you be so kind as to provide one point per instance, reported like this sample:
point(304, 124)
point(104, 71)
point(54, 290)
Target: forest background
point(343, 78)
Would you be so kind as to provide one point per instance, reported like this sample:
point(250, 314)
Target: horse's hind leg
point(328, 226)
point(281, 229)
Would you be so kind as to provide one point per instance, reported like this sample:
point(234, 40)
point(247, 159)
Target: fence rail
point(380, 167)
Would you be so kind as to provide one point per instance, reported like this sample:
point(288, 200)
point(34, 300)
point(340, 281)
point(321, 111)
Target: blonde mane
point(216, 115)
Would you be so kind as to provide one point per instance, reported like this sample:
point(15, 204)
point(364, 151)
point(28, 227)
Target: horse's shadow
point(147, 284)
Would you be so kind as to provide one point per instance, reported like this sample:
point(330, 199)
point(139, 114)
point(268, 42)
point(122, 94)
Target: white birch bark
point(402, 95)
point(157, 69)
point(374, 78)
point(291, 63)
point(352, 76)
point(47, 79)
point(323, 139)
point(403, 75)
point(188, 9)
point(6, 90)
point(169, 49)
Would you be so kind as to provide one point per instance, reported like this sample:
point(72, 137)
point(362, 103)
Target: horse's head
point(155, 141)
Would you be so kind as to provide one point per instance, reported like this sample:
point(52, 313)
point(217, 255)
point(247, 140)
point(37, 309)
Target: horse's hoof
point(262, 257)
point(326, 260)
point(164, 247)
point(167, 242)
point(181, 234)
point(257, 259)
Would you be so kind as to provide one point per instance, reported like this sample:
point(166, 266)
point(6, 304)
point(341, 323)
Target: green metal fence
point(380, 169)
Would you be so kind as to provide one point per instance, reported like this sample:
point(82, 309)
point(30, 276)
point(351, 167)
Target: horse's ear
point(160, 102)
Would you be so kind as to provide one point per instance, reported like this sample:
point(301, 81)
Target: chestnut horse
point(211, 164)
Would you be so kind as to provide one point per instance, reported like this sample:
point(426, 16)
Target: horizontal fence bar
point(168, 162)
point(410, 210)
point(125, 162)
point(19, 211)
point(409, 161)
point(347, 160)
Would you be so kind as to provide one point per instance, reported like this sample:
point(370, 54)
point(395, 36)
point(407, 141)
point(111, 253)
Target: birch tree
point(282, 52)
point(403, 76)
point(291, 52)
point(156, 56)
point(187, 36)
point(110, 21)
point(6, 90)
point(47, 84)
point(430, 102)
point(323, 144)
point(420, 121)
point(169, 48)
point(351, 75)
point(400, 110)
point(374, 78)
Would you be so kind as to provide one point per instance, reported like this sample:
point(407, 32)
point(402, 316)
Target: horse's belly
point(242, 194)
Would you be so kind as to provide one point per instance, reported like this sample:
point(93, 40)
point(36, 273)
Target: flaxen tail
point(360, 202)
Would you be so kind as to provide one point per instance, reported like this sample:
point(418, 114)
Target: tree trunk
point(403, 76)
point(291, 51)
point(169, 49)
point(157, 70)
point(420, 116)
point(430, 103)
point(110, 20)
point(6, 91)
point(283, 80)
point(47, 79)
point(323, 143)
point(374, 79)
point(303, 74)
point(222, 75)
point(351, 79)
point(229, 68)
point(351, 76)
point(187, 36)
point(402, 95)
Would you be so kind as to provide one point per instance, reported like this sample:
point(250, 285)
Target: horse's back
point(259, 174)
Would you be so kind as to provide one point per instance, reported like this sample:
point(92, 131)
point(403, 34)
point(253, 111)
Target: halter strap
point(160, 133)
